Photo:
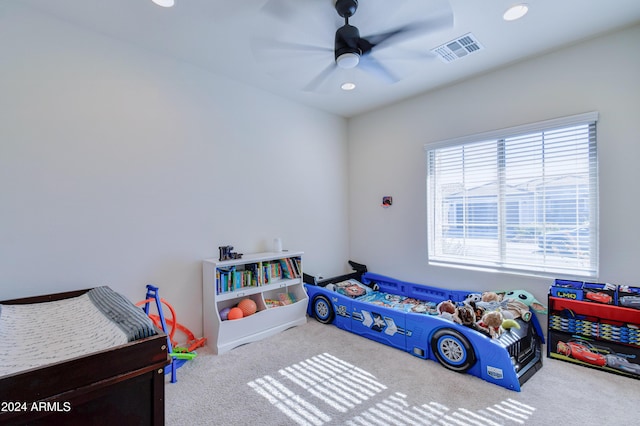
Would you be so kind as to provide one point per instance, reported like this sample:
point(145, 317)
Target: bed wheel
point(453, 350)
point(322, 309)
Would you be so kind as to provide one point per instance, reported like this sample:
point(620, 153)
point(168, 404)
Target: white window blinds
point(523, 199)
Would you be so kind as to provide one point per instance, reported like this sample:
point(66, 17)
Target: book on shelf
point(297, 265)
point(290, 268)
point(237, 277)
point(272, 272)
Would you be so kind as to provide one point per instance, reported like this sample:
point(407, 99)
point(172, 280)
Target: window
point(521, 200)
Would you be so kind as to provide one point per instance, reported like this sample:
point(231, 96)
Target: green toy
point(182, 353)
point(526, 298)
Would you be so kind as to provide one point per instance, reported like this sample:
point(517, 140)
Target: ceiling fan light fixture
point(164, 3)
point(347, 86)
point(348, 60)
point(516, 12)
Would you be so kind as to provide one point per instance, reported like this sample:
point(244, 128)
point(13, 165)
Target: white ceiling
point(217, 35)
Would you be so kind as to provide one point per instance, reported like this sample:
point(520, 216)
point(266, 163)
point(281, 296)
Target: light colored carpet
point(320, 375)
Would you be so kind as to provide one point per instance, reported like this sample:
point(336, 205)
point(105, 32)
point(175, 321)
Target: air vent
point(458, 48)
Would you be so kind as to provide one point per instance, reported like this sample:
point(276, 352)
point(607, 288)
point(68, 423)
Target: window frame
point(544, 268)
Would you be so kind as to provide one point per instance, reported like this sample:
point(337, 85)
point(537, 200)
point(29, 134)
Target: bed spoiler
point(358, 268)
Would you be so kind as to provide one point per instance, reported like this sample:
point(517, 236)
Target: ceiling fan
point(350, 50)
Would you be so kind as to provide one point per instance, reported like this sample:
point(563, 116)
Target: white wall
point(119, 167)
point(386, 156)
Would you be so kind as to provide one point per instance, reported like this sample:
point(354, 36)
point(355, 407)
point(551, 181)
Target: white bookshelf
point(219, 294)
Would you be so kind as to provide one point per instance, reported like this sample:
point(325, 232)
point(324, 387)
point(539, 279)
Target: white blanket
point(39, 334)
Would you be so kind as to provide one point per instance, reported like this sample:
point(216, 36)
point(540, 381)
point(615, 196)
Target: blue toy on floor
point(179, 355)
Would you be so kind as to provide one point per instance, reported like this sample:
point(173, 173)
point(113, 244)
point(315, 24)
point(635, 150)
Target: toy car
point(598, 297)
point(630, 301)
point(622, 364)
point(403, 315)
point(581, 353)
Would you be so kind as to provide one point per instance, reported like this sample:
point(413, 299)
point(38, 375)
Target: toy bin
point(600, 293)
point(567, 289)
point(629, 297)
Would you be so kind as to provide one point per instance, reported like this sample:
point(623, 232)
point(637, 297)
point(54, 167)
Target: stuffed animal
point(447, 310)
point(527, 298)
point(490, 296)
point(467, 314)
point(473, 297)
point(491, 324)
point(479, 311)
point(518, 309)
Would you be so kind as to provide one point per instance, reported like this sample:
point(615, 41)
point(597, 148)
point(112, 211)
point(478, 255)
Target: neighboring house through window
point(523, 199)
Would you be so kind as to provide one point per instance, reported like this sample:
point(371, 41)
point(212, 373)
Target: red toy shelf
point(610, 312)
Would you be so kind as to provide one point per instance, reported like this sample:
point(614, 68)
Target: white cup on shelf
point(277, 245)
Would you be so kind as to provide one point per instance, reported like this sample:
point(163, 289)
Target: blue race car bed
point(409, 317)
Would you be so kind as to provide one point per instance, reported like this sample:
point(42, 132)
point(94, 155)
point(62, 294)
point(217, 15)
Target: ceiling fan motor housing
point(346, 8)
point(347, 38)
point(347, 50)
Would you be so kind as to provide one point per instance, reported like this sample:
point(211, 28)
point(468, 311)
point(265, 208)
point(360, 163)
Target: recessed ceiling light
point(516, 12)
point(164, 3)
point(348, 86)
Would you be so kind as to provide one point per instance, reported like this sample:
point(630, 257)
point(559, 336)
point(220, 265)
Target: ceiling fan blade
point(273, 51)
point(414, 29)
point(372, 66)
point(264, 45)
point(317, 81)
point(400, 53)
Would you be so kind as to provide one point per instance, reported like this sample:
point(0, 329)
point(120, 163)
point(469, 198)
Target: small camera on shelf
point(226, 253)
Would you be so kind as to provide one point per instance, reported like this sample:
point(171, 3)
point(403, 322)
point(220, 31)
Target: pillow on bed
point(351, 287)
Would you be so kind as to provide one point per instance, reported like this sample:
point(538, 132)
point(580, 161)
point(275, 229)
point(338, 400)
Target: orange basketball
point(248, 307)
point(235, 313)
